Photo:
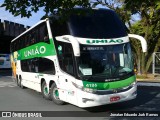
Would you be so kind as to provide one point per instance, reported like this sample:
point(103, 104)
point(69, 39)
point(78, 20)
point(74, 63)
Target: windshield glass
point(107, 62)
point(97, 24)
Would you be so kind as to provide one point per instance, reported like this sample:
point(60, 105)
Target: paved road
point(13, 98)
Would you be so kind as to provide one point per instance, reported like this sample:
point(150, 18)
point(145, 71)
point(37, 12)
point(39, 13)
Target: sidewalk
point(149, 78)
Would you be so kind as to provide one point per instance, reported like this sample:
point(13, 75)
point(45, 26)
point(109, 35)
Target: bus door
point(66, 62)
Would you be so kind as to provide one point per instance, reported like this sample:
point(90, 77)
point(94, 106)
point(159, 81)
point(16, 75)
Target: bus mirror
point(141, 39)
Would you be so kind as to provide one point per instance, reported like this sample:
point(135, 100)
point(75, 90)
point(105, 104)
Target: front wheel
point(55, 95)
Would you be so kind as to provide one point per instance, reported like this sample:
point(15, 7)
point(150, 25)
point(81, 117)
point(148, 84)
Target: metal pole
point(153, 64)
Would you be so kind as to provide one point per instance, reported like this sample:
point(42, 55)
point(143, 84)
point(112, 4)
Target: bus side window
point(46, 66)
point(26, 41)
point(24, 65)
point(65, 56)
point(32, 38)
point(22, 42)
point(43, 33)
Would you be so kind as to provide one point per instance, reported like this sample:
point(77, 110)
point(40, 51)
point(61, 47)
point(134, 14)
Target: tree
point(148, 26)
point(26, 7)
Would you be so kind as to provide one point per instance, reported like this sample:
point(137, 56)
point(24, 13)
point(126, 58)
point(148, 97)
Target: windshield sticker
point(86, 71)
point(93, 48)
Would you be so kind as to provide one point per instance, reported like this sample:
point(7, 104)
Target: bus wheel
point(55, 95)
point(17, 80)
point(45, 91)
point(20, 83)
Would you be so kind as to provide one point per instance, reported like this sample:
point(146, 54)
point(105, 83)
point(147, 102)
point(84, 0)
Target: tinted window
point(97, 24)
point(36, 35)
point(65, 56)
point(38, 65)
point(46, 66)
point(59, 28)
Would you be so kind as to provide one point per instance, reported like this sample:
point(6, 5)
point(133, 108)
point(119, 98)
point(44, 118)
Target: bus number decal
point(93, 85)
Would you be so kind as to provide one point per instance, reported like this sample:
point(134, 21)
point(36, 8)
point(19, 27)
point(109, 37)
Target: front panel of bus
point(105, 64)
point(104, 69)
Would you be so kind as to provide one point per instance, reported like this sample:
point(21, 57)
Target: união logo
point(36, 51)
point(104, 41)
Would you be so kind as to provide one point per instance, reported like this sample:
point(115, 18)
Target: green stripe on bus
point(109, 85)
point(37, 50)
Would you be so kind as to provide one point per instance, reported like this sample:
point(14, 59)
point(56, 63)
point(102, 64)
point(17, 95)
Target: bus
point(85, 60)
point(5, 62)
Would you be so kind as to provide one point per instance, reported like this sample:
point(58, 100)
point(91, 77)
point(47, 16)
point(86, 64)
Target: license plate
point(115, 98)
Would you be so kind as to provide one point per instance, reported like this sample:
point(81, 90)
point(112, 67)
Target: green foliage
point(26, 7)
point(148, 26)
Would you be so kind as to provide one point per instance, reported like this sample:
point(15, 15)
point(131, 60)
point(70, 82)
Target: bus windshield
point(97, 24)
point(107, 62)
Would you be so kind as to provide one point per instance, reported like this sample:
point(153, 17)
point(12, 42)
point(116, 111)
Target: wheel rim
point(45, 90)
point(56, 94)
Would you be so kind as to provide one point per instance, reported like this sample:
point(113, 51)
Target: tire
point(45, 92)
point(20, 83)
point(17, 82)
point(55, 95)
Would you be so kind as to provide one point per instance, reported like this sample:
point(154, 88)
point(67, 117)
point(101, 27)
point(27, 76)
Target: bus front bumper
point(86, 99)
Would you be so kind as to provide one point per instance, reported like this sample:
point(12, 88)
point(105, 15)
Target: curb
point(148, 82)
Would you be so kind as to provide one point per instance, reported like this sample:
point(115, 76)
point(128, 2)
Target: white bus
point(85, 60)
point(5, 61)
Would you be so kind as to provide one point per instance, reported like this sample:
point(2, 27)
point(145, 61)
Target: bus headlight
point(89, 90)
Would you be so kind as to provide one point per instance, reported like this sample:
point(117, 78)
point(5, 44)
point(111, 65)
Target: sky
point(6, 15)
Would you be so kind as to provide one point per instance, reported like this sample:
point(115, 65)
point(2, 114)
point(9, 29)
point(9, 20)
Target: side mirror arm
point(141, 39)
